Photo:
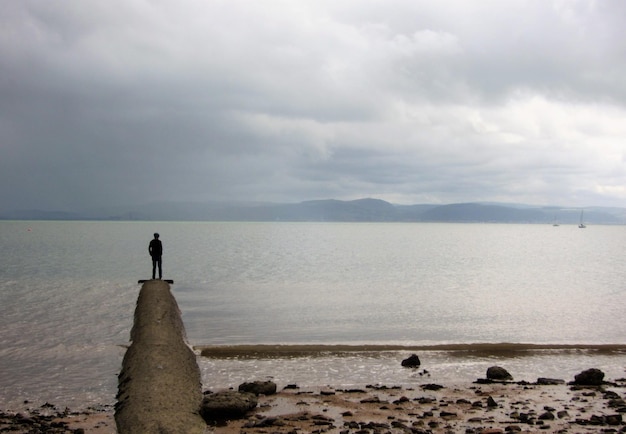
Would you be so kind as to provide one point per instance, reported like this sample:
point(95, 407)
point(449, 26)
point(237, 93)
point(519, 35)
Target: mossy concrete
point(159, 388)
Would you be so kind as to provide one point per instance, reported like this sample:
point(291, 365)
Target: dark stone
point(412, 362)
point(491, 402)
point(590, 377)
point(352, 425)
point(614, 419)
point(259, 387)
point(399, 425)
point(425, 400)
point(227, 405)
point(498, 373)
point(549, 381)
point(401, 400)
point(546, 416)
point(371, 400)
point(616, 403)
point(597, 420)
point(431, 386)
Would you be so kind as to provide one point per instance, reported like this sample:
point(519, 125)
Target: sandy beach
point(470, 408)
point(430, 408)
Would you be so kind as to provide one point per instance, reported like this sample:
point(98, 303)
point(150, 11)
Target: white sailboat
point(581, 225)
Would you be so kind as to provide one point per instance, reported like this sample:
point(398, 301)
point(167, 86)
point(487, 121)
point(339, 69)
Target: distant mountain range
point(361, 210)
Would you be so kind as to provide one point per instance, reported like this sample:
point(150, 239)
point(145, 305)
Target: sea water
point(68, 292)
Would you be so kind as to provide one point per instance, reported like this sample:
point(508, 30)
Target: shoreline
point(431, 402)
point(411, 404)
point(471, 407)
point(500, 349)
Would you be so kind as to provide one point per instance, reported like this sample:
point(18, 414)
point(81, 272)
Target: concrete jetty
point(159, 388)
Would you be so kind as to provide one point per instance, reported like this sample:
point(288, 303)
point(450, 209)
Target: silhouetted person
point(156, 250)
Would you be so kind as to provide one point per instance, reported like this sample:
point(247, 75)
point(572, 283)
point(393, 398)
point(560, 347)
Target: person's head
point(156, 236)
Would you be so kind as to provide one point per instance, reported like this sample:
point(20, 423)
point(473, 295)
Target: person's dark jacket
point(155, 248)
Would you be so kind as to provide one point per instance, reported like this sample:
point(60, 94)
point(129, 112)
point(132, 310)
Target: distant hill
point(361, 210)
point(36, 214)
point(472, 212)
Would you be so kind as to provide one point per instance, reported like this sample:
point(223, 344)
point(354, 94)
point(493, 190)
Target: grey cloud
point(121, 102)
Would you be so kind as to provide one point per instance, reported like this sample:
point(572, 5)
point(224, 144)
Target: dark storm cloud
point(120, 102)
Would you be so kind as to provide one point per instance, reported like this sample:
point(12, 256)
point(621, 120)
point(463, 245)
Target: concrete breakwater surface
point(159, 385)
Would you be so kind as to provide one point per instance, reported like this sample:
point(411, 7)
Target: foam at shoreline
point(474, 349)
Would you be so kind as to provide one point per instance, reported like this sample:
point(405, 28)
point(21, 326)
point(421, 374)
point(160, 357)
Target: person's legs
point(154, 264)
point(160, 269)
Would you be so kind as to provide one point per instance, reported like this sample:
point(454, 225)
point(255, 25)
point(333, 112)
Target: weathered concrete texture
point(159, 387)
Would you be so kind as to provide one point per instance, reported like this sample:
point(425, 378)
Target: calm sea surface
point(68, 291)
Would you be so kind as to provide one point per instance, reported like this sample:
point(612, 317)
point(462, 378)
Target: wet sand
point(430, 408)
point(472, 408)
point(49, 419)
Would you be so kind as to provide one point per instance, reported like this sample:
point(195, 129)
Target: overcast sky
point(108, 102)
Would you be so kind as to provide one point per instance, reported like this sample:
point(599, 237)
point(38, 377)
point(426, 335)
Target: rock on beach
point(590, 377)
point(228, 404)
point(495, 407)
point(498, 373)
point(258, 387)
point(411, 362)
